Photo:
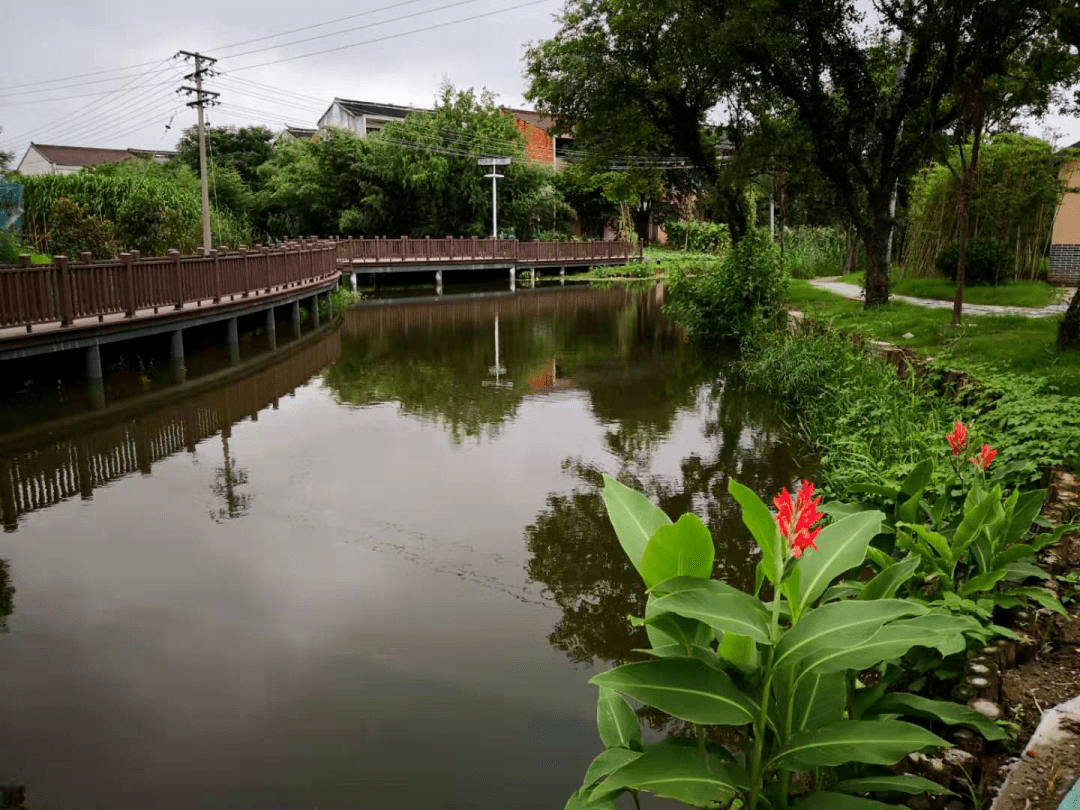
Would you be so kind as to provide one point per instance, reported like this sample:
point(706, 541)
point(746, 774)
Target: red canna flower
point(795, 519)
point(986, 455)
point(958, 438)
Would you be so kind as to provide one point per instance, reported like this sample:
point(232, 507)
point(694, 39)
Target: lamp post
point(493, 162)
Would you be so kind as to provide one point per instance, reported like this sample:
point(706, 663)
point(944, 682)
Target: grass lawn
point(1012, 344)
point(1013, 294)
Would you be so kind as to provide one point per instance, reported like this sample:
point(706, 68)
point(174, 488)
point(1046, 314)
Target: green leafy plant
point(986, 262)
point(777, 679)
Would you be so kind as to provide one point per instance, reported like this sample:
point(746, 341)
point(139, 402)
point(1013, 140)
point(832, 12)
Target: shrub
point(9, 247)
point(74, 230)
point(986, 262)
point(703, 237)
point(814, 252)
point(733, 297)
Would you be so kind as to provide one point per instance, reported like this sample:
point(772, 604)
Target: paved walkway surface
point(855, 292)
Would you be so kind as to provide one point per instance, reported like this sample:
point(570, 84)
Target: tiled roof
point(300, 133)
point(371, 108)
point(544, 122)
point(81, 155)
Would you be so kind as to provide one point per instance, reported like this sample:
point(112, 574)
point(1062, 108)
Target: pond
point(372, 569)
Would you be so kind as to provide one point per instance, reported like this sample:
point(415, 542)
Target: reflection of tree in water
point(228, 479)
point(575, 553)
point(7, 595)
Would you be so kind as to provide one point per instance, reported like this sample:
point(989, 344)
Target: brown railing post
point(178, 278)
point(516, 243)
point(266, 259)
point(129, 285)
point(67, 314)
point(427, 248)
point(217, 276)
point(247, 277)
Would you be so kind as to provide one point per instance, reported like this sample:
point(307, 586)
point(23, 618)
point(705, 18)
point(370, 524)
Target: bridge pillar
point(438, 282)
point(232, 337)
point(296, 319)
point(329, 305)
point(8, 512)
point(532, 276)
point(562, 272)
point(95, 377)
point(176, 356)
point(271, 328)
point(513, 279)
point(352, 281)
point(315, 311)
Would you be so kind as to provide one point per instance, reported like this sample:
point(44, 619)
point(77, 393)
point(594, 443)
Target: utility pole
point(203, 98)
point(493, 162)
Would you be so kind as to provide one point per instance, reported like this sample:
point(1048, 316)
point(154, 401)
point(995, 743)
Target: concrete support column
point(513, 279)
point(562, 272)
point(271, 328)
point(438, 282)
point(296, 318)
point(176, 356)
point(532, 276)
point(95, 377)
point(329, 306)
point(232, 337)
point(314, 311)
point(352, 281)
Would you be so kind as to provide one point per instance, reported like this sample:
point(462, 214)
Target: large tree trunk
point(1069, 330)
point(876, 239)
point(966, 180)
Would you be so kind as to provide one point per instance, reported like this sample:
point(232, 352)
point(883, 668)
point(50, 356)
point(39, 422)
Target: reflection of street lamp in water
point(498, 369)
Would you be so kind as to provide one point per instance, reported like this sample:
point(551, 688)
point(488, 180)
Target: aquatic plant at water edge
point(776, 679)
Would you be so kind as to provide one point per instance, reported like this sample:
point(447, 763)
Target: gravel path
point(854, 291)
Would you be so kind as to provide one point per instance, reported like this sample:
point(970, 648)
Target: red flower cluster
point(795, 518)
point(958, 438)
point(986, 455)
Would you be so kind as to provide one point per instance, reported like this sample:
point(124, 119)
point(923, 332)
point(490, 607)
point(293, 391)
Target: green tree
point(242, 149)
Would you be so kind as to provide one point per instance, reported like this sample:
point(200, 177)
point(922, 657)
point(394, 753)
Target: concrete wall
point(337, 117)
point(1065, 243)
point(34, 162)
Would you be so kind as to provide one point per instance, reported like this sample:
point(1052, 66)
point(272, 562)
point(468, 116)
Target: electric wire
point(79, 75)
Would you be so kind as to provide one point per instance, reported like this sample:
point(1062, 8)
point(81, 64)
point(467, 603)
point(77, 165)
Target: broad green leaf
point(890, 580)
point(840, 801)
point(678, 772)
point(706, 654)
point(940, 507)
point(975, 519)
point(890, 784)
point(875, 742)
point(840, 624)
point(844, 590)
point(918, 479)
point(759, 520)
point(666, 628)
point(616, 721)
point(1019, 571)
point(939, 543)
point(945, 711)
point(874, 489)
point(888, 643)
point(841, 546)
point(1020, 551)
point(908, 510)
point(879, 557)
point(981, 551)
point(820, 700)
point(942, 631)
point(607, 763)
point(983, 582)
point(634, 517)
point(717, 604)
point(1042, 596)
point(740, 651)
point(682, 687)
point(581, 801)
point(682, 549)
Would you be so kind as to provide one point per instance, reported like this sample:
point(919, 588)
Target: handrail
point(68, 290)
point(449, 250)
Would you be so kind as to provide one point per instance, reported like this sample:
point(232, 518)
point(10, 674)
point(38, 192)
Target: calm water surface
point(372, 570)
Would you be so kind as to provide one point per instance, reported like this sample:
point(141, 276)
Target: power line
point(78, 75)
point(394, 36)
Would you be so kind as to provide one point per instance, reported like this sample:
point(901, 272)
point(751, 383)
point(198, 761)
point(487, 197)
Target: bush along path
point(855, 292)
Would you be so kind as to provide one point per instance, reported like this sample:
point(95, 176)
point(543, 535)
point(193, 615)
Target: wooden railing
point(450, 250)
point(68, 290)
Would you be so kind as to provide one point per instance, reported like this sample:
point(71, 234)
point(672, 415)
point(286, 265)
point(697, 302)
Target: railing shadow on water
point(48, 463)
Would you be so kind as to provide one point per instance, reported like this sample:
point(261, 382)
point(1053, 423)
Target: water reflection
point(228, 481)
point(7, 594)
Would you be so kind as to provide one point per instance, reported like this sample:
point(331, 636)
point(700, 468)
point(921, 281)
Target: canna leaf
point(1042, 596)
point(678, 772)
point(890, 580)
point(616, 721)
point(839, 801)
point(759, 520)
point(717, 604)
point(1013, 554)
point(666, 628)
point(581, 801)
point(683, 549)
point(945, 711)
point(918, 479)
point(841, 547)
point(875, 742)
point(739, 650)
point(634, 517)
point(976, 518)
point(607, 763)
point(685, 688)
point(983, 582)
point(819, 700)
point(1020, 571)
point(891, 784)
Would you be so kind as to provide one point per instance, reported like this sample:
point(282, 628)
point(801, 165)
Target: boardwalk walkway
point(855, 292)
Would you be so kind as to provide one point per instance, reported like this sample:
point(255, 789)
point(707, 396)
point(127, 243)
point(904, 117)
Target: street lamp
point(493, 162)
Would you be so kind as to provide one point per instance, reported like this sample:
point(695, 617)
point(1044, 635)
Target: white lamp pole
point(493, 162)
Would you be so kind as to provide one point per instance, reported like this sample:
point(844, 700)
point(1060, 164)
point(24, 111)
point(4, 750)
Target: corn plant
point(777, 678)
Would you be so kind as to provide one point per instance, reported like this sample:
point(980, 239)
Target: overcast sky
point(130, 105)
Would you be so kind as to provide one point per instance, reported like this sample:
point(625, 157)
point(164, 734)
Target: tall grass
point(814, 252)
